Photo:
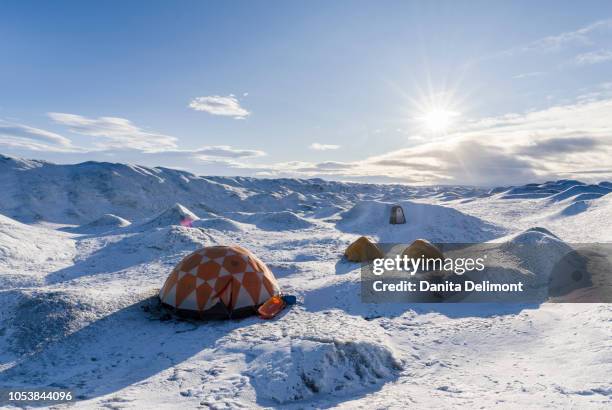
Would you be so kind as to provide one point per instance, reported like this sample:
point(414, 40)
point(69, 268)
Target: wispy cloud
point(587, 36)
point(581, 36)
point(323, 147)
point(218, 105)
point(552, 147)
point(114, 132)
point(121, 139)
point(529, 75)
point(593, 57)
point(207, 153)
point(36, 139)
point(226, 151)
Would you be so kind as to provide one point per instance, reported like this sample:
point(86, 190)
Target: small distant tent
point(423, 248)
point(397, 215)
point(363, 250)
point(219, 282)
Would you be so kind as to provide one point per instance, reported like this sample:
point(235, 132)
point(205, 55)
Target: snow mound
point(103, 223)
point(42, 317)
point(175, 215)
point(323, 358)
point(574, 209)
point(590, 225)
point(591, 192)
point(533, 257)
point(280, 221)
point(24, 247)
point(165, 245)
point(449, 196)
point(432, 222)
point(109, 220)
point(556, 190)
point(219, 224)
point(548, 189)
point(537, 250)
point(529, 191)
point(170, 239)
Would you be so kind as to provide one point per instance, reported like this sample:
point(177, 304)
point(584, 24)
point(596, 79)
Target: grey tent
point(397, 215)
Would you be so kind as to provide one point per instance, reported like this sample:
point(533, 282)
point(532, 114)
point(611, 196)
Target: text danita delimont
point(458, 266)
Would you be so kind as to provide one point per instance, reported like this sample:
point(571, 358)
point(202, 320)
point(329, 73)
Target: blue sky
point(419, 92)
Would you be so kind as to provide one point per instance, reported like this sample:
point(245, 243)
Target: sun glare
point(438, 120)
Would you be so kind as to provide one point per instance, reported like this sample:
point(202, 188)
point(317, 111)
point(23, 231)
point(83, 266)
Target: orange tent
point(362, 250)
point(424, 248)
point(219, 282)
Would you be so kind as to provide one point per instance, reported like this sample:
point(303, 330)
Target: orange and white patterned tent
point(219, 281)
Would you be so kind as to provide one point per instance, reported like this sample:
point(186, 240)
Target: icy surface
point(77, 293)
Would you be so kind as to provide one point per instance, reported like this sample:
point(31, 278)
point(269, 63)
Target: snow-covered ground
point(85, 248)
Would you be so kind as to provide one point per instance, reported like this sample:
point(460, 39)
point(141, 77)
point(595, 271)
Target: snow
point(26, 252)
point(432, 222)
point(102, 224)
point(321, 358)
point(279, 221)
point(175, 215)
point(78, 286)
point(220, 224)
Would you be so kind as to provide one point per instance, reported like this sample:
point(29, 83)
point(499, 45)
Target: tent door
point(397, 216)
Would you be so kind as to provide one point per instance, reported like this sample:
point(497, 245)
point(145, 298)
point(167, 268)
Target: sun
point(438, 120)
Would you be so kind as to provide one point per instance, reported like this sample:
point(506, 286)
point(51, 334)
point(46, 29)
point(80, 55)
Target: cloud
point(585, 36)
point(560, 146)
point(529, 75)
point(217, 105)
point(581, 36)
point(226, 151)
point(114, 132)
point(593, 57)
point(327, 166)
point(35, 139)
point(119, 138)
point(323, 147)
point(557, 142)
point(222, 156)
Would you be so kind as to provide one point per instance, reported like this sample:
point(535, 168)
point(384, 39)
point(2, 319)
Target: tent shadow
point(343, 266)
point(117, 351)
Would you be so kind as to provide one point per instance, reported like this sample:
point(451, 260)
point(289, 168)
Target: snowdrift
point(30, 249)
point(323, 358)
point(175, 215)
point(581, 192)
point(220, 224)
point(555, 191)
point(171, 239)
point(532, 257)
point(537, 250)
point(432, 222)
point(166, 245)
point(105, 223)
point(281, 221)
point(574, 208)
point(274, 221)
point(40, 317)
